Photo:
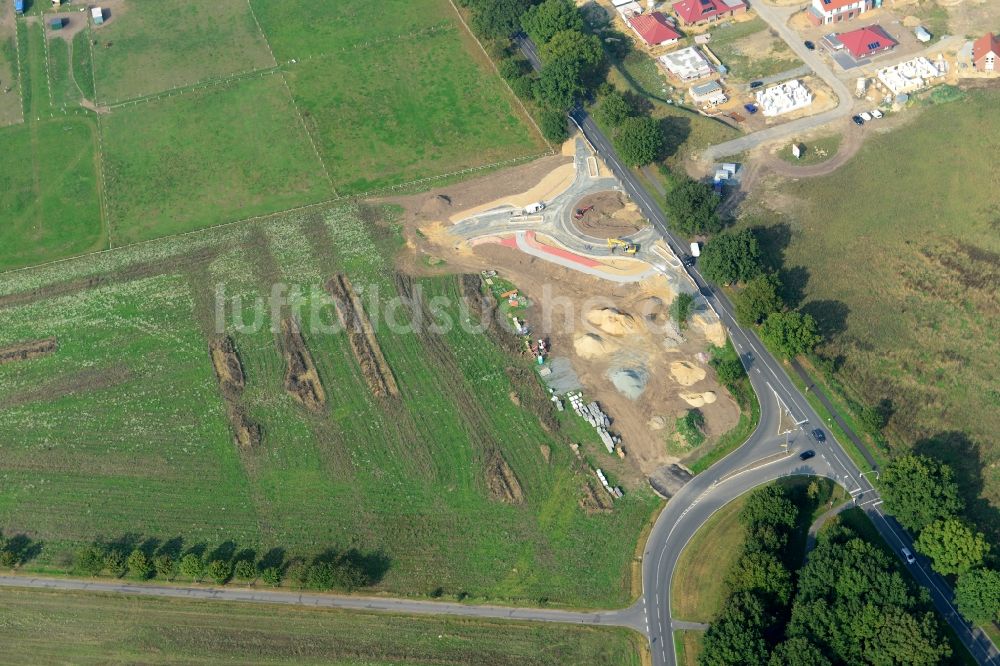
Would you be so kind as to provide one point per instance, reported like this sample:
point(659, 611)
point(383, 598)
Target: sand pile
point(698, 399)
point(612, 321)
point(685, 373)
point(591, 345)
point(630, 382)
point(657, 423)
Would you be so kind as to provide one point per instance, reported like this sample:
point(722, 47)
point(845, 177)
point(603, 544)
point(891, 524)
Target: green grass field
point(210, 156)
point(49, 205)
point(246, 145)
point(300, 29)
point(902, 277)
point(149, 46)
point(424, 107)
point(123, 429)
point(65, 92)
point(54, 628)
point(688, 646)
point(10, 97)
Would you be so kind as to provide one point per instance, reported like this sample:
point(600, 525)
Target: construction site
point(590, 300)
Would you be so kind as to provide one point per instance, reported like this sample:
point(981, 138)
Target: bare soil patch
point(85, 381)
point(25, 351)
point(301, 379)
point(612, 215)
point(227, 365)
point(501, 481)
point(595, 499)
point(361, 335)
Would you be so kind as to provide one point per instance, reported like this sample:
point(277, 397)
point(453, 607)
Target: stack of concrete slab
point(595, 416)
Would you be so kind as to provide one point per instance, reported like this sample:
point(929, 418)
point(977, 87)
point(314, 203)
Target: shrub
point(165, 566)
point(691, 427)
point(271, 576)
point(553, 125)
point(139, 565)
point(245, 570)
point(89, 560)
point(116, 562)
point(192, 566)
point(220, 571)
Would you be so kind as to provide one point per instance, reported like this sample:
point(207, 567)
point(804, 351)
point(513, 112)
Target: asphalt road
point(705, 493)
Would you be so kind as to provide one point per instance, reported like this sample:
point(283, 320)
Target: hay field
point(123, 430)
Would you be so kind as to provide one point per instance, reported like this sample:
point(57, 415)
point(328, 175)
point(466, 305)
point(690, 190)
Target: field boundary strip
point(48, 69)
point(291, 98)
point(496, 71)
point(103, 176)
point(20, 72)
point(297, 209)
point(193, 87)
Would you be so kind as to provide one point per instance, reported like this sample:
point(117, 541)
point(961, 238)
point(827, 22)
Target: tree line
point(574, 69)
point(923, 496)
point(848, 604)
point(344, 570)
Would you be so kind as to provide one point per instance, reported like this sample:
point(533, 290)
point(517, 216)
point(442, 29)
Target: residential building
point(985, 53)
point(867, 41)
point(655, 29)
point(710, 93)
point(687, 64)
point(693, 12)
point(822, 12)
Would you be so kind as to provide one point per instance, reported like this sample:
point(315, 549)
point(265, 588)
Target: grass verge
point(56, 627)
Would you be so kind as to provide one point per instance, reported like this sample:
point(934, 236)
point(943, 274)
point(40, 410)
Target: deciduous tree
point(731, 257)
point(978, 595)
point(639, 140)
point(793, 333)
point(192, 566)
point(953, 546)
point(918, 490)
point(757, 300)
point(691, 208)
point(543, 21)
point(613, 109)
point(681, 308)
point(139, 565)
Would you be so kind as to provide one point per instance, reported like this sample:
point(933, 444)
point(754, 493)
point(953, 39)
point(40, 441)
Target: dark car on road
point(756, 84)
point(858, 120)
point(809, 45)
point(819, 435)
point(806, 455)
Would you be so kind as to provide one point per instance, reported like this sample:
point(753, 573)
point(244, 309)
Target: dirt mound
point(301, 378)
point(500, 480)
point(657, 423)
point(229, 373)
point(611, 321)
point(591, 345)
point(228, 369)
point(361, 335)
point(438, 205)
point(612, 215)
point(698, 399)
point(246, 433)
point(24, 351)
point(630, 382)
point(686, 373)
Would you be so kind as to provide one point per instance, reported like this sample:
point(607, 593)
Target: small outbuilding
point(710, 93)
point(922, 34)
point(57, 23)
point(97, 14)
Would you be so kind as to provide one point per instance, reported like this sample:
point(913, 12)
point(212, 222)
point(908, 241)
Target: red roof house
point(654, 29)
point(832, 11)
point(985, 53)
point(691, 12)
point(867, 41)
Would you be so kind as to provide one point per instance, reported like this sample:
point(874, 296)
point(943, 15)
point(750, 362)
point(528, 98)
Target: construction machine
point(627, 248)
point(580, 212)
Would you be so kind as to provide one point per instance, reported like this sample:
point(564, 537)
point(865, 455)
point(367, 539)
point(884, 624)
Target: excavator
point(580, 212)
point(628, 248)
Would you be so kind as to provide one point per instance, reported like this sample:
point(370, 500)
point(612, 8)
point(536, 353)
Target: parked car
point(858, 120)
point(908, 556)
point(819, 435)
point(876, 113)
point(806, 455)
point(751, 108)
point(865, 116)
point(809, 45)
point(756, 84)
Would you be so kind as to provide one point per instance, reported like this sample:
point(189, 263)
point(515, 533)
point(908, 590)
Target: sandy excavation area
point(610, 215)
point(618, 337)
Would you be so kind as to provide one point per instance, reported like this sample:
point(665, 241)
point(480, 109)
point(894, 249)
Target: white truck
point(695, 250)
point(533, 208)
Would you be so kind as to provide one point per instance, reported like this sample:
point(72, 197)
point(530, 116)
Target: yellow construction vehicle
point(628, 248)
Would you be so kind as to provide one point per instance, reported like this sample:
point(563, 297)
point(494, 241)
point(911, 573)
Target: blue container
point(19, 6)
